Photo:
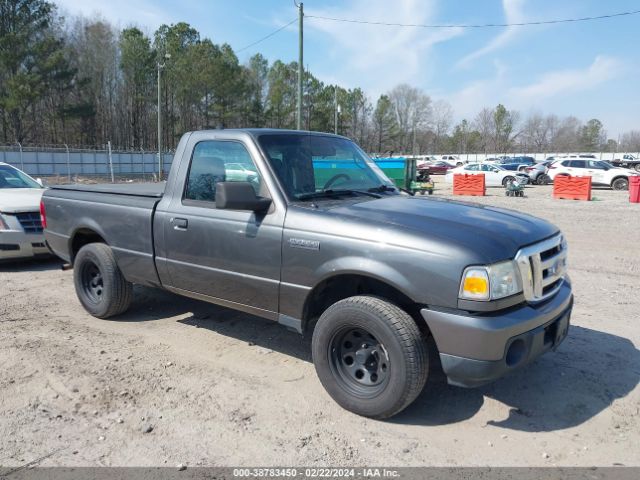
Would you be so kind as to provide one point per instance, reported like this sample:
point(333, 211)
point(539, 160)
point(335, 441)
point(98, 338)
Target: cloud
point(513, 13)
point(372, 56)
point(559, 82)
point(558, 91)
point(145, 13)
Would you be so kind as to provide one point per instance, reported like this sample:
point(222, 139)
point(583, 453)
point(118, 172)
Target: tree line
point(81, 81)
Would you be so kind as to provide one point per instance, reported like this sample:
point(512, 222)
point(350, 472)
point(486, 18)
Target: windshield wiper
point(330, 192)
point(382, 188)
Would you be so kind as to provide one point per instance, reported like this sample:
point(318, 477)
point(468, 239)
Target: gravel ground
point(180, 381)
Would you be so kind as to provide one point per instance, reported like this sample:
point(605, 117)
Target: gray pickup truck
point(304, 229)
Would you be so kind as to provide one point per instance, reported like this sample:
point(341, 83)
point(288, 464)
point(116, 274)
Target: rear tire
point(637, 167)
point(543, 179)
point(370, 356)
point(100, 285)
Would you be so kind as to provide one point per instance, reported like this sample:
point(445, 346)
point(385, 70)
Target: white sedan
point(494, 175)
point(20, 226)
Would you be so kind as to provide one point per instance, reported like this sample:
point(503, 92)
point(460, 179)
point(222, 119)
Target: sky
point(587, 69)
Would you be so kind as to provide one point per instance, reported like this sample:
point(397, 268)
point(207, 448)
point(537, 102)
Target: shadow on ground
point(562, 389)
point(30, 265)
point(153, 304)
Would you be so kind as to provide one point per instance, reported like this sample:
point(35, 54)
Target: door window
point(578, 164)
point(215, 161)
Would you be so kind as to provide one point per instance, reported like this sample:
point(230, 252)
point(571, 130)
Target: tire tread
point(120, 295)
point(413, 345)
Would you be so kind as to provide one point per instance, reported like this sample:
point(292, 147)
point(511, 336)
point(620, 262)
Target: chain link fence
point(69, 164)
point(61, 163)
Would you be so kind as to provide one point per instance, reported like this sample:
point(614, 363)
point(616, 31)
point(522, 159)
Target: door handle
point(180, 223)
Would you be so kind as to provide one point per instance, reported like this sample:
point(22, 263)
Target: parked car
point(435, 168)
point(627, 161)
point(538, 173)
point(452, 159)
point(325, 245)
point(568, 156)
point(495, 175)
point(601, 173)
point(516, 163)
point(20, 227)
point(425, 160)
point(238, 172)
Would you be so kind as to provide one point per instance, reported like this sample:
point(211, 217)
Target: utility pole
point(160, 166)
point(300, 69)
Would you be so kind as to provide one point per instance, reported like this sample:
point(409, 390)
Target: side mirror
point(239, 196)
point(39, 181)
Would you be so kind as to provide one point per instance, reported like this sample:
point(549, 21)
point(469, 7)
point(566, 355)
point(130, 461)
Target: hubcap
point(359, 361)
point(92, 282)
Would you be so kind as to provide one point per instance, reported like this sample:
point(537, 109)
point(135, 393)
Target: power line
point(267, 36)
point(483, 25)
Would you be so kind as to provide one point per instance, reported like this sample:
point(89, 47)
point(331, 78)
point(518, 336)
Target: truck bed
point(120, 214)
point(151, 190)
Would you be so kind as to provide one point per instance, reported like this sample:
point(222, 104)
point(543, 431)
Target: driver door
point(231, 256)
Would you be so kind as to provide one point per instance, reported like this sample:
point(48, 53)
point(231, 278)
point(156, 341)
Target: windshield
point(13, 178)
point(307, 165)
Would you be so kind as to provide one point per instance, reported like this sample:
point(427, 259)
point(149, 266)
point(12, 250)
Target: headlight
point(491, 282)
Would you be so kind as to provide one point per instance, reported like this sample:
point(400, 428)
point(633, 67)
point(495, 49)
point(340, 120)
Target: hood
point(16, 200)
point(490, 232)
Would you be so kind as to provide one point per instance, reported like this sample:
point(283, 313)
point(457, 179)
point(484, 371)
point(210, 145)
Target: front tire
point(620, 184)
point(508, 180)
point(100, 285)
point(370, 356)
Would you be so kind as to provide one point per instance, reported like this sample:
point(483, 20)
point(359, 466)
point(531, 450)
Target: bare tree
point(442, 119)
point(566, 137)
point(485, 126)
point(630, 141)
point(412, 108)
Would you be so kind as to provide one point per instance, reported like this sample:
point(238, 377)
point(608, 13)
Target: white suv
point(601, 173)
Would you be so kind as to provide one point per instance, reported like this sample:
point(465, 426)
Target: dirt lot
point(180, 381)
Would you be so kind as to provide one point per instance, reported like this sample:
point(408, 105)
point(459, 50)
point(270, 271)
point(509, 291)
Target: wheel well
point(83, 237)
point(618, 177)
point(338, 288)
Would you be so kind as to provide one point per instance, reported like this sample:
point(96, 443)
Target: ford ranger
point(304, 229)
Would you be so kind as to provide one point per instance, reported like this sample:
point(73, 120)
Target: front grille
point(30, 222)
point(9, 247)
point(542, 268)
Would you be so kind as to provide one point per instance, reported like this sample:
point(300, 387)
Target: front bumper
point(475, 350)
point(16, 244)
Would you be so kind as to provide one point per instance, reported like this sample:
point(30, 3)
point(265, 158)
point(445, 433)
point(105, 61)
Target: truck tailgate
point(122, 215)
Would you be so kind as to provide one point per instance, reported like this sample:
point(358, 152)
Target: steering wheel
point(333, 179)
